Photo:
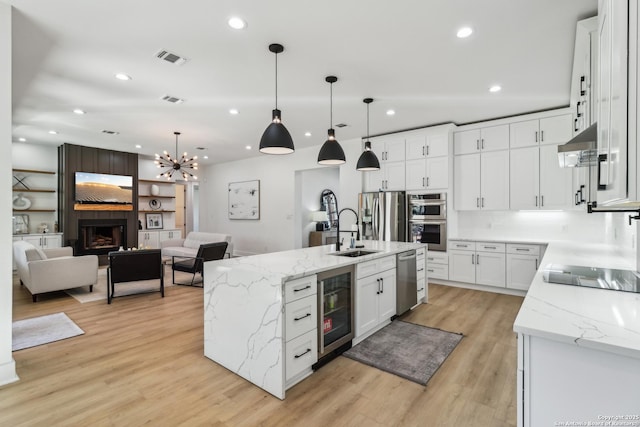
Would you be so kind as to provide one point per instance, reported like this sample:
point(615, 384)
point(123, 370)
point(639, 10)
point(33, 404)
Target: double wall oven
point(427, 220)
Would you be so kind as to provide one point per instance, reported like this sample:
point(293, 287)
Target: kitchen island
point(579, 348)
point(244, 307)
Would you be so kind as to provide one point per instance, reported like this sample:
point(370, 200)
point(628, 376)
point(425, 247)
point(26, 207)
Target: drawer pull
point(490, 247)
point(430, 259)
point(297, 356)
point(302, 289)
point(522, 249)
point(300, 318)
point(461, 246)
point(420, 269)
point(421, 289)
point(430, 270)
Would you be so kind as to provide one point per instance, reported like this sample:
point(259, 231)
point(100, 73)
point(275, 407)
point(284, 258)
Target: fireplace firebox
point(101, 236)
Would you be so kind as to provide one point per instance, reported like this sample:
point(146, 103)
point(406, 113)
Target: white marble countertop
point(595, 318)
point(303, 262)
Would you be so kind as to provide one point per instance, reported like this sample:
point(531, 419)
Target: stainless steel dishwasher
point(406, 282)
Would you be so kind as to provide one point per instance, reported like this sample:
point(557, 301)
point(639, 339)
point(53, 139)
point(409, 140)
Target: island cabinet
point(300, 328)
point(421, 276)
point(522, 264)
point(482, 263)
point(375, 295)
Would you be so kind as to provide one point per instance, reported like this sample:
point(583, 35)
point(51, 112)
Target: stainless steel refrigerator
point(382, 216)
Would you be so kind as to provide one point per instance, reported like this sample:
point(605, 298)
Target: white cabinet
point(152, 239)
point(431, 173)
point(481, 181)
point(169, 235)
point(375, 295)
point(484, 139)
point(548, 130)
point(612, 100)
point(391, 176)
point(522, 263)
point(430, 145)
point(389, 149)
point(483, 263)
point(582, 99)
point(537, 181)
point(43, 241)
point(437, 265)
point(300, 328)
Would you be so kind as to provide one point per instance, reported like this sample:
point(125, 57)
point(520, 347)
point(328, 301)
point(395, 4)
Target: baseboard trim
point(495, 290)
point(8, 373)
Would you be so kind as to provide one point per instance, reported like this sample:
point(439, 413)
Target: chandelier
point(184, 165)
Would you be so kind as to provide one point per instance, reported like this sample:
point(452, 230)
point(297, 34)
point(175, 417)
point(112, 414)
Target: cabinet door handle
point(295, 319)
point(427, 150)
point(423, 150)
point(578, 113)
point(575, 125)
point(430, 270)
point(536, 136)
point(541, 136)
point(472, 259)
point(302, 289)
point(541, 200)
point(536, 200)
point(421, 289)
point(583, 85)
point(477, 259)
point(482, 202)
point(378, 280)
point(477, 144)
point(382, 283)
point(427, 181)
point(522, 249)
point(477, 202)
point(297, 356)
point(536, 263)
point(482, 143)
point(423, 181)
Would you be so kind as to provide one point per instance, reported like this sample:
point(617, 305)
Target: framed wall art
point(244, 200)
point(154, 221)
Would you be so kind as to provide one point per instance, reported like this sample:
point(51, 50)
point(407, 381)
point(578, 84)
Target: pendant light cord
point(367, 122)
point(276, 80)
point(176, 147)
point(331, 106)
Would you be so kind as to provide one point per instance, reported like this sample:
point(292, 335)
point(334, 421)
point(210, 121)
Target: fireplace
point(101, 236)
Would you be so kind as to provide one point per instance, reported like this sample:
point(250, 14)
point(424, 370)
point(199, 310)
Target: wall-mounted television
point(103, 192)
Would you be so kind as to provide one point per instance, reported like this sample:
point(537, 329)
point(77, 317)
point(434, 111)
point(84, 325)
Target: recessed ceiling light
point(122, 76)
point(233, 111)
point(237, 23)
point(53, 132)
point(464, 32)
point(307, 134)
point(205, 157)
point(79, 111)
point(138, 146)
point(22, 139)
point(248, 147)
point(495, 88)
point(391, 112)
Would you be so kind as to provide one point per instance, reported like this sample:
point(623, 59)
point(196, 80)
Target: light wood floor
point(141, 362)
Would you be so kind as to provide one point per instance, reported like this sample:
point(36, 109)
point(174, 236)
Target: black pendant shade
point(276, 139)
point(368, 160)
point(331, 153)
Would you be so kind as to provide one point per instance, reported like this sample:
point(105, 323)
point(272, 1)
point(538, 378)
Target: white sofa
point(188, 246)
point(47, 270)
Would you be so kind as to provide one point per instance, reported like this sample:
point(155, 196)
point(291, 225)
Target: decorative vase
point(21, 203)
point(155, 190)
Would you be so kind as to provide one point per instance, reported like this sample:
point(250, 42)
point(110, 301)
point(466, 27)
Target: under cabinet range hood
point(581, 151)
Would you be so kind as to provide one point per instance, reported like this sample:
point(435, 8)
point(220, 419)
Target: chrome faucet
point(338, 227)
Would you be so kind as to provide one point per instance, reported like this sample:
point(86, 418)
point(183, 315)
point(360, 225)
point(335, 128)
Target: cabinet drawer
point(490, 247)
point(421, 291)
point(300, 288)
point(513, 248)
point(301, 316)
point(437, 258)
point(420, 253)
point(438, 271)
point(368, 268)
point(301, 353)
point(462, 245)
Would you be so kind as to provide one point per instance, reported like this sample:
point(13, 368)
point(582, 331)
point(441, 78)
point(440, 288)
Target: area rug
point(411, 351)
point(100, 289)
point(43, 330)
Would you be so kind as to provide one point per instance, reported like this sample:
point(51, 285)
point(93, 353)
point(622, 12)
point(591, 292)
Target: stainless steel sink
point(354, 253)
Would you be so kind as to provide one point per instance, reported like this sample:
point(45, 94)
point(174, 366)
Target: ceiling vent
point(341, 125)
point(170, 57)
point(172, 99)
point(110, 132)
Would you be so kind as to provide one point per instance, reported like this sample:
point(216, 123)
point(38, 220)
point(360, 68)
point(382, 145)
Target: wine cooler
point(335, 311)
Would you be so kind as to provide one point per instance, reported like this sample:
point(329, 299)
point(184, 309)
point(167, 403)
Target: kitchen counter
point(506, 240)
point(593, 318)
point(244, 306)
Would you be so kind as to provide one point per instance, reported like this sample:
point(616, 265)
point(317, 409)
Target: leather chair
point(193, 265)
point(132, 266)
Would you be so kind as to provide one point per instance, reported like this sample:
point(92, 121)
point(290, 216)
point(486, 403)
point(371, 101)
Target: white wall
point(309, 186)
point(611, 228)
point(279, 211)
point(7, 364)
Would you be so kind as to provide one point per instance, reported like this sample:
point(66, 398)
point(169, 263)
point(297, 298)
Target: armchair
point(48, 270)
point(193, 265)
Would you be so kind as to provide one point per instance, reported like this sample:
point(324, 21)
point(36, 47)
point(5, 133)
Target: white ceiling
point(403, 53)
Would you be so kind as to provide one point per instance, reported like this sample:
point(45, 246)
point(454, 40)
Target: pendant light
point(331, 152)
point(368, 160)
point(276, 139)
